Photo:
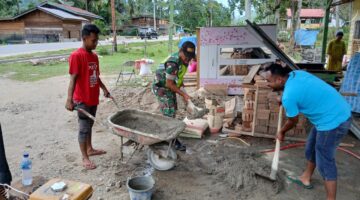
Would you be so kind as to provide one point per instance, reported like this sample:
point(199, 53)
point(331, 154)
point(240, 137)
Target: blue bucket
point(141, 187)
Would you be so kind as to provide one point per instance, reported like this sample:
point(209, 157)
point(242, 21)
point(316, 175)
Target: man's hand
point(186, 97)
point(107, 93)
point(69, 105)
point(280, 136)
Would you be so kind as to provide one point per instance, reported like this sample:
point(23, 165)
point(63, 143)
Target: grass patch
point(109, 64)
point(31, 55)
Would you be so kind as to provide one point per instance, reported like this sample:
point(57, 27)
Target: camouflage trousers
point(166, 99)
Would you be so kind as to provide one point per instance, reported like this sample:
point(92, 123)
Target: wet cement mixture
point(162, 127)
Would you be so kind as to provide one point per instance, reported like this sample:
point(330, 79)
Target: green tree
point(197, 13)
point(8, 8)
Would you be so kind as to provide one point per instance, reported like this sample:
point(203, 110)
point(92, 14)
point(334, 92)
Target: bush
point(283, 36)
point(123, 50)
point(102, 26)
point(130, 32)
point(103, 51)
point(151, 54)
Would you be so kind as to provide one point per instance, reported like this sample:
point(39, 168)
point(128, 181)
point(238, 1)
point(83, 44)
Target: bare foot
point(87, 164)
point(95, 152)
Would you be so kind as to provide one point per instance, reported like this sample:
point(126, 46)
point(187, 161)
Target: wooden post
point(255, 110)
point(326, 28)
point(198, 58)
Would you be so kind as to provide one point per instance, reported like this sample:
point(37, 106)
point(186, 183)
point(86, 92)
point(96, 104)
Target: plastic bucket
point(141, 187)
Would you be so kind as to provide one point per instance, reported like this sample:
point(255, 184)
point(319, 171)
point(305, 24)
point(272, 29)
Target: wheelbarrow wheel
point(160, 158)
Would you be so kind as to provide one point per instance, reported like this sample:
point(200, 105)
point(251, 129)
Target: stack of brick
point(267, 113)
point(248, 110)
point(262, 111)
point(298, 131)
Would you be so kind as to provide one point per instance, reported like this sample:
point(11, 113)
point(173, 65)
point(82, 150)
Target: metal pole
point(171, 26)
point(326, 29)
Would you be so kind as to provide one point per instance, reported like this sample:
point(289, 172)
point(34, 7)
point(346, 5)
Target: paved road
point(17, 49)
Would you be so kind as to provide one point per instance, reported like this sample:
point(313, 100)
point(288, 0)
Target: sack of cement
point(195, 112)
point(194, 128)
point(230, 108)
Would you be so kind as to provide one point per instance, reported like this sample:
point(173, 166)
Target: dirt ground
point(34, 119)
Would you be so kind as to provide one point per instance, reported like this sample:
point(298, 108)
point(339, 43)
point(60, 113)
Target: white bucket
point(145, 69)
point(141, 187)
point(215, 123)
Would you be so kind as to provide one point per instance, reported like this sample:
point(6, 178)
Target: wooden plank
point(190, 84)
point(349, 94)
point(40, 17)
point(248, 78)
point(255, 110)
point(198, 58)
point(261, 135)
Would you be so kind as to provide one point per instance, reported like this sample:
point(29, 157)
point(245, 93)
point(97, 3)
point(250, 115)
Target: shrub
point(103, 51)
point(104, 30)
point(283, 36)
point(123, 50)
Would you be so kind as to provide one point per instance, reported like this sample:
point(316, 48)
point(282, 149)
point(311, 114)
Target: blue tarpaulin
point(306, 37)
point(185, 39)
point(351, 83)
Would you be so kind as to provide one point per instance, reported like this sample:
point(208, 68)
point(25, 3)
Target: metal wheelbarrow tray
point(150, 129)
point(145, 128)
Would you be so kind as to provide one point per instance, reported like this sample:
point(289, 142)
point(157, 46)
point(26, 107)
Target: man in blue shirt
point(325, 108)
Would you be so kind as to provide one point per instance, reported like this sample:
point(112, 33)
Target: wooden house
point(45, 23)
point(146, 21)
point(310, 18)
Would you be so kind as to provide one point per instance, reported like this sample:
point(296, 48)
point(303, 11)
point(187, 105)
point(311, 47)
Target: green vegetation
point(332, 35)
point(39, 54)
point(109, 64)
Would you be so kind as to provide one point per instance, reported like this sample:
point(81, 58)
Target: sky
point(224, 2)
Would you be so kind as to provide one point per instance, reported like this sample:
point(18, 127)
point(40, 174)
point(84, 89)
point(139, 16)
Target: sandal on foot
point(297, 181)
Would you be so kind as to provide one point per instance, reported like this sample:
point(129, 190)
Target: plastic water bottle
point(26, 170)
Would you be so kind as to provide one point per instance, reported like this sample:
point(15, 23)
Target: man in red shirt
point(84, 89)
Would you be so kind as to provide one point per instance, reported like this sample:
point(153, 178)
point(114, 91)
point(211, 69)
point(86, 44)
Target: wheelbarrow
point(147, 129)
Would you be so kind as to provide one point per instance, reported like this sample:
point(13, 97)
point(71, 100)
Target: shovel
point(275, 161)
point(115, 102)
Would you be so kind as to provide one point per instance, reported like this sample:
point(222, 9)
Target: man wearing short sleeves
point(325, 108)
point(84, 90)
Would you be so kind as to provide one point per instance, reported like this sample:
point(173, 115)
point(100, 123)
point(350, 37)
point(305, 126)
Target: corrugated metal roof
point(340, 2)
point(309, 13)
point(73, 10)
point(62, 14)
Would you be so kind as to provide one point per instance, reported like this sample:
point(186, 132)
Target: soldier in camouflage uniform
point(169, 80)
